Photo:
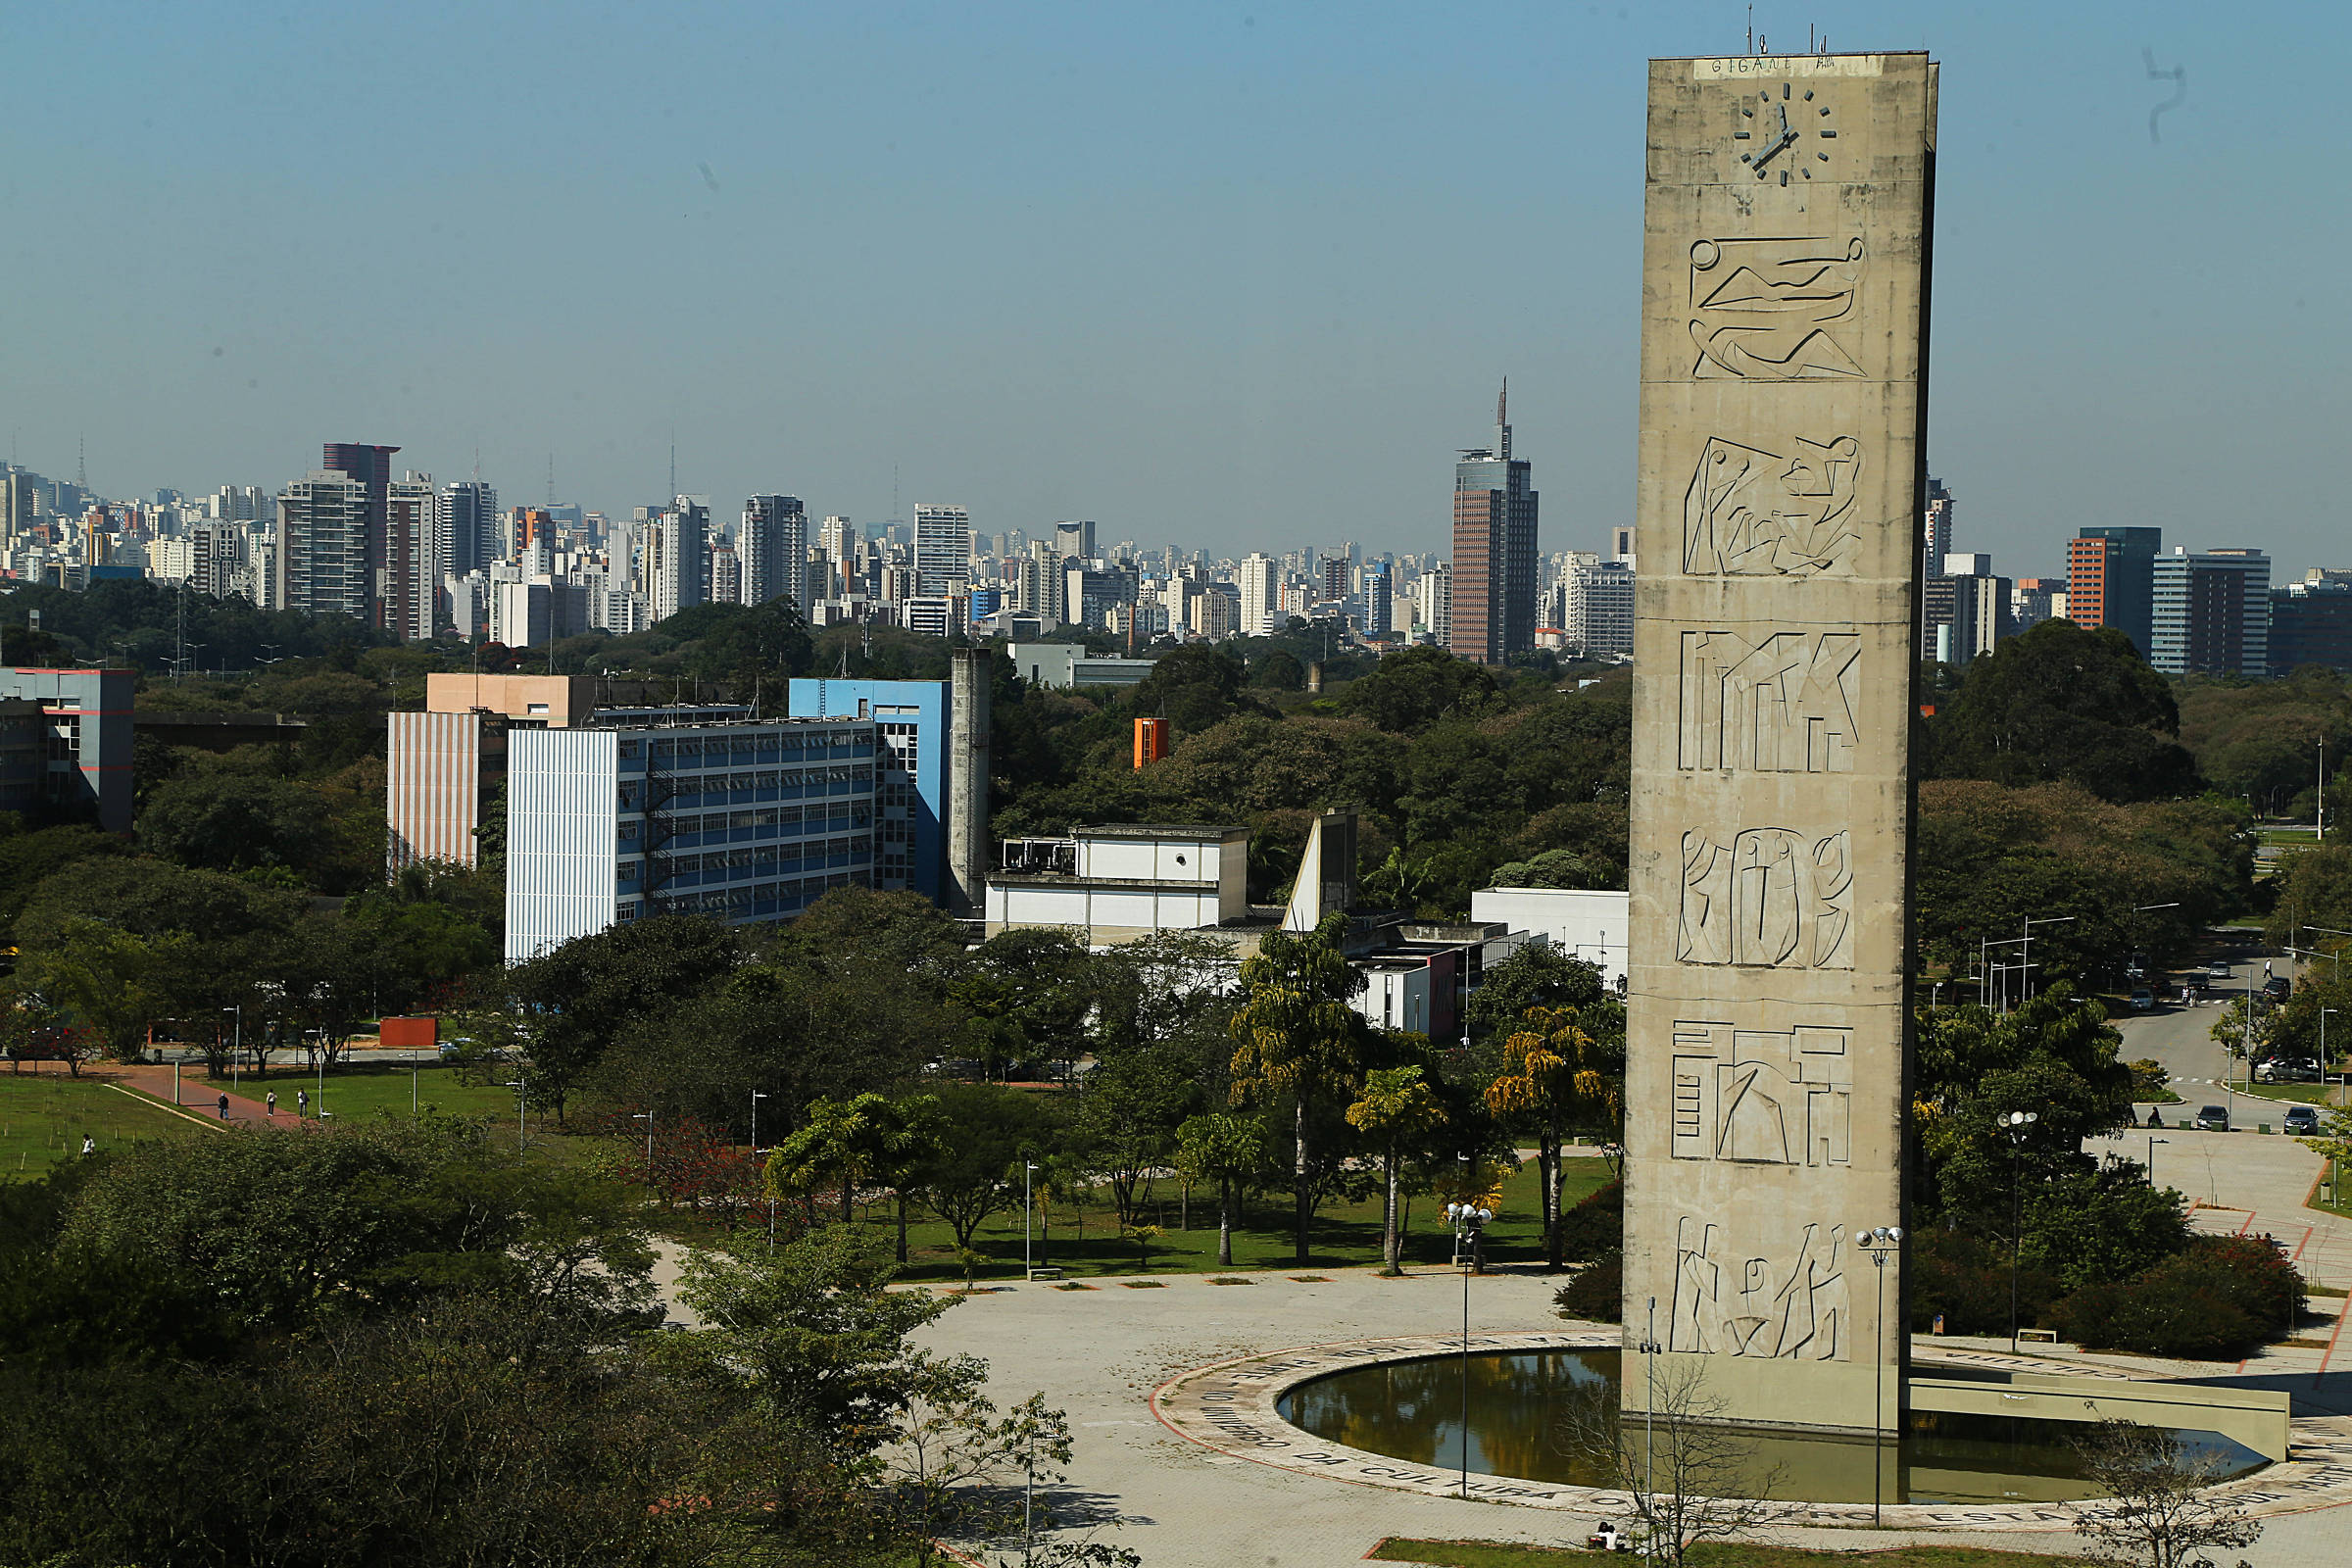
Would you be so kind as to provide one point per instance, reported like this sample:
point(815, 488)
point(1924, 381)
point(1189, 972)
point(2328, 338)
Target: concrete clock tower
point(1783, 406)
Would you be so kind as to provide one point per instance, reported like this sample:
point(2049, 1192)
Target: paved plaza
point(1100, 1353)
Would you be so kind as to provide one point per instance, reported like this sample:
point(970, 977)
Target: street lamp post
point(647, 1117)
point(758, 1094)
point(2153, 1141)
point(1650, 1349)
point(236, 1048)
point(521, 1084)
point(1468, 1222)
point(1881, 1242)
point(1028, 1169)
point(2015, 1124)
point(2025, 979)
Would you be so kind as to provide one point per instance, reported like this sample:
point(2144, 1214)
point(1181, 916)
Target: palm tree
point(1552, 1079)
point(1298, 1039)
point(1395, 1110)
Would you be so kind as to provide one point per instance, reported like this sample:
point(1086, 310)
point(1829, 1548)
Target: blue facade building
point(910, 798)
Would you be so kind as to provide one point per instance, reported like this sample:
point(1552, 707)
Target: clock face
point(1783, 135)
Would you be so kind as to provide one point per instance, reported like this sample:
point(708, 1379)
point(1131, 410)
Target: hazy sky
point(1237, 275)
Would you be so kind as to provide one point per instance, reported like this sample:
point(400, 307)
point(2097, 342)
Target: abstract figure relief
point(1755, 513)
point(1782, 704)
point(1773, 899)
point(1763, 1097)
point(1727, 1303)
point(1763, 310)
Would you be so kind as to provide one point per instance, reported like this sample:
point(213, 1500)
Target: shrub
point(2089, 1227)
point(1595, 1224)
point(1597, 1292)
point(1965, 1278)
point(2220, 1295)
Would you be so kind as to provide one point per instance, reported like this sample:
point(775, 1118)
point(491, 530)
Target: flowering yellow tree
point(1556, 1078)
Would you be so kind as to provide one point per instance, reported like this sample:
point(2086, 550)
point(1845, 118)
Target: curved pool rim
point(1230, 1407)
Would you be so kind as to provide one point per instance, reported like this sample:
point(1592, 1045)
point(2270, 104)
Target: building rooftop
point(1161, 830)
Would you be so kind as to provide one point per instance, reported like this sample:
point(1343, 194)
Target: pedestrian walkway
point(198, 1098)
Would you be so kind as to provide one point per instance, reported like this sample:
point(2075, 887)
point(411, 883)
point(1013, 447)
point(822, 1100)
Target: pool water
point(1520, 1403)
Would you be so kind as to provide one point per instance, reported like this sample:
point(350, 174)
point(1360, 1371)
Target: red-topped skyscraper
point(1494, 569)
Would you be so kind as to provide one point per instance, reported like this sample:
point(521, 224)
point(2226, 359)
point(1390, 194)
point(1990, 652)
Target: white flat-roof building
point(1114, 884)
point(1589, 924)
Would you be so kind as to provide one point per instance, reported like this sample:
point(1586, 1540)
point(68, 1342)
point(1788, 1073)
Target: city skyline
point(1062, 263)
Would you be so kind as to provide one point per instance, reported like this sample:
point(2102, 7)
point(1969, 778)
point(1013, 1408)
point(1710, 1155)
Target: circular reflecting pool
point(1520, 1408)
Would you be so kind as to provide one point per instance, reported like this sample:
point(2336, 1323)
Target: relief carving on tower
point(1754, 513)
point(1770, 310)
point(1763, 1096)
point(1773, 898)
point(1783, 702)
point(1730, 1300)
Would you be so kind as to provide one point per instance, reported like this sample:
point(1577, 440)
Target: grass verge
point(44, 1117)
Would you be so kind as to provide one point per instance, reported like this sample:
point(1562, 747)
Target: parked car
point(2213, 1119)
point(2302, 1120)
point(2276, 988)
point(2143, 998)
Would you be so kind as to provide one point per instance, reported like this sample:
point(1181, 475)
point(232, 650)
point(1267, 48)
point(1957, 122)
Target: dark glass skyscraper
point(1493, 576)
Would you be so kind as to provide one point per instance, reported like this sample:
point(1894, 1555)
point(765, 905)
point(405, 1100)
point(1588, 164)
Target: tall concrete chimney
point(967, 779)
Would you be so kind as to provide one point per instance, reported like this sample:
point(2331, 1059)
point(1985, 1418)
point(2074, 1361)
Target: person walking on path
point(302, 1103)
point(89, 1145)
point(224, 1108)
point(273, 1103)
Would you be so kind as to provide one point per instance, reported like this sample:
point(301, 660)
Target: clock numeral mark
point(1809, 98)
point(1783, 91)
point(1825, 110)
point(1808, 173)
point(1783, 176)
point(1739, 135)
point(1824, 157)
point(1829, 135)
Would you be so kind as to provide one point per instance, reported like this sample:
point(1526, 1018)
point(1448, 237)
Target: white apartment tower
point(1261, 595)
point(677, 557)
point(943, 548)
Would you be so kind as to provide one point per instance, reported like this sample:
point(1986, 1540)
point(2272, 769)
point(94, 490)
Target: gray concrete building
point(1787, 228)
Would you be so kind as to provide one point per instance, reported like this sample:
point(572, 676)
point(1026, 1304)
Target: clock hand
point(1769, 153)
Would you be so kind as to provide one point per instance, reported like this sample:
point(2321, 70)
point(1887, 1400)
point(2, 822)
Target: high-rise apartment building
point(390, 589)
point(1936, 529)
point(726, 575)
point(1597, 608)
point(773, 541)
point(1493, 585)
point(2110, 581)
point(415, 562)
point(1334, 579)
point(322, 566)
point(469, 525)
point(677, 566)
point(1074, 540)
point(1378, 590)
point(1261, 595)
point(2311, 623)
point(2211, 613)
point(1433, 603)
point(943, 548)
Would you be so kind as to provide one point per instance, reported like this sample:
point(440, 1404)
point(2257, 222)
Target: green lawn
point(361, 1090)
point(43, 1118)
point(1087, 1243)
point(1718, 1555)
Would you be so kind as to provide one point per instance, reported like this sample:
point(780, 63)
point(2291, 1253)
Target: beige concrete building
point(1783, 403)
point(557, 701)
